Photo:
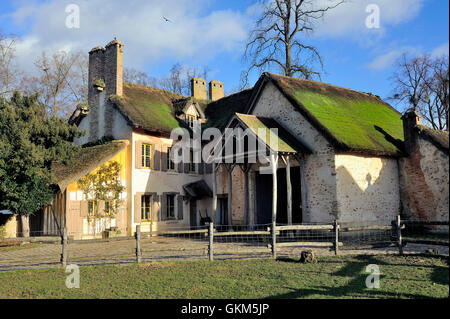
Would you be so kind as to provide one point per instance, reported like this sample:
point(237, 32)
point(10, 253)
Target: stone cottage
point(341, 154)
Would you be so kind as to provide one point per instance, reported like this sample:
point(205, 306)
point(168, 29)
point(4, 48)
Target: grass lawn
point(331, 277)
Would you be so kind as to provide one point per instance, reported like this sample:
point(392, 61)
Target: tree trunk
point(25, 223)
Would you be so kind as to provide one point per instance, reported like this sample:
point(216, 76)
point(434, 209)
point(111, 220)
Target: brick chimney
point(410, 120)
point(105, 79)
point(216, 90)
point(198, 88)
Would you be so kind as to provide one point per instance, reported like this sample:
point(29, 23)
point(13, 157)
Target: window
point(170, 163)
point(190, 120)
point(170, 206)
point(146, 155)
point(146, 210)
point(108, 208)
point(91, 208)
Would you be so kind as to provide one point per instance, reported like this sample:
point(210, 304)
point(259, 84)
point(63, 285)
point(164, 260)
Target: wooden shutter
point(164, 157)
point(137, 207)
point(163, 211)
point(156, 209)
point(138, 154)
point(180, 206)
point(156, 158)
point(84, 208)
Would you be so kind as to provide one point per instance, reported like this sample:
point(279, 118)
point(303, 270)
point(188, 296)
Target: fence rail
point(219, 242)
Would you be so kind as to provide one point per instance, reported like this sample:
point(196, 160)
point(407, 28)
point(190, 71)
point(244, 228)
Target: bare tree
point(275, 39)
point(134, 76)
point(61, 81)
point(9, 73)
point(422, 83)
point(179, 78)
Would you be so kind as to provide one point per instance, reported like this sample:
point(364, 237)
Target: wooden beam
point(230, 194)
point(214, 202)
point(289, 190)
point(274, 164)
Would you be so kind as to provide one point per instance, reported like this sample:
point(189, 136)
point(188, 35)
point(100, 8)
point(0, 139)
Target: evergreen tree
point(30, 140)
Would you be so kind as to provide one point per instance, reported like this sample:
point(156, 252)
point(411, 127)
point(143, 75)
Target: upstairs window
point(190, 120)
point(146, 155)
point(170, 163)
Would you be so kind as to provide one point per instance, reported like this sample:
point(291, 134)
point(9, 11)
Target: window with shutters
point(146, 155)
point(108, 208)
point(190, 120)
point(146, 208)
point(170, 207)
point(91, 208)
point(170, 162)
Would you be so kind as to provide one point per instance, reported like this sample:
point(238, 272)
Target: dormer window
point(190, 120)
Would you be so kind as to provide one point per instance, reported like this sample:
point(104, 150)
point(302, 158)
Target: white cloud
point(440, 50)
point(348, 19)
point(193, 33)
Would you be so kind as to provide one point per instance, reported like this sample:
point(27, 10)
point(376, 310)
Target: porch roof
point(198, 189)
point(261, 126)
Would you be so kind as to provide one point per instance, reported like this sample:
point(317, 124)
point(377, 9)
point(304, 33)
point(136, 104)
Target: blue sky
point(212, 33)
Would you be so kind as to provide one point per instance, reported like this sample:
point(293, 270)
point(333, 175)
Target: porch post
point(289, 190)
point(230, 194)
point(274, 163)
point(247, 196)
point(214, 203)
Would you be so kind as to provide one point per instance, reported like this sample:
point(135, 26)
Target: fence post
point(138, 244)
point(399, 235)
point(336, 237)
point(211, 241)
point(64, 247)
point(274, 239)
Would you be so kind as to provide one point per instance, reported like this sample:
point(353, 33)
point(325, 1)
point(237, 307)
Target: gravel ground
point(163, 248)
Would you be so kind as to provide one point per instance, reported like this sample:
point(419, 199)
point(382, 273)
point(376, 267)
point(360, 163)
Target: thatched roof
point(352, 121)
point(147, 108)
point(87, 160)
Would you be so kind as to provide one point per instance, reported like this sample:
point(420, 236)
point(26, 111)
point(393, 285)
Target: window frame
point(145, 156)
point(108, 203)
point(190, 120)
point(168, 206)
point(143, 207)
point(91, 211)
point(170, 164)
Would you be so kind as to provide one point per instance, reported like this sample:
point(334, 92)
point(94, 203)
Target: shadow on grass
point(357, 286)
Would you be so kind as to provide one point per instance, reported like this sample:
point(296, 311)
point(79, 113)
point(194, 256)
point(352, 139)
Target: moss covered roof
point(85, 161)
point(438, 138)
point(218, 113)
point(351, 120)
point(286, 143)
point(148, 108)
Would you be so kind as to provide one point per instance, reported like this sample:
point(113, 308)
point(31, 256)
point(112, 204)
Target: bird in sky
point(167, 20)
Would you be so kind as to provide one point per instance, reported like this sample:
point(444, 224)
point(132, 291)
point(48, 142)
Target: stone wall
point(424, 182)
point(367, 189)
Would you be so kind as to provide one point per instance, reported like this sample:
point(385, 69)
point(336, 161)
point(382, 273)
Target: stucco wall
point(319, 167)
point(424, 178)
point(157, 181)
point(367, 189)
point(108, 122)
